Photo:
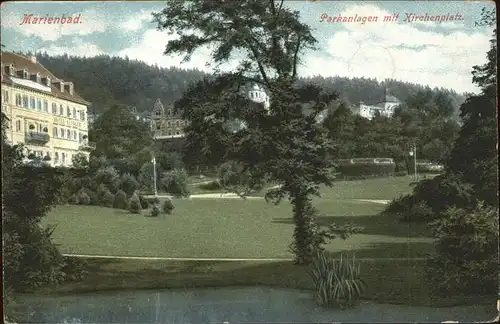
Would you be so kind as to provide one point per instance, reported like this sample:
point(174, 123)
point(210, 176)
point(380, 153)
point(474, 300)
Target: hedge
point(365, 169)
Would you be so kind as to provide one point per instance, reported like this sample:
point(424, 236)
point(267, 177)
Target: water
point(233, 305)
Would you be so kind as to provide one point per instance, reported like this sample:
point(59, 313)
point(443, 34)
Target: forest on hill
point(105, 81)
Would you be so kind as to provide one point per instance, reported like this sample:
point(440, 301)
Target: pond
point(218, 305)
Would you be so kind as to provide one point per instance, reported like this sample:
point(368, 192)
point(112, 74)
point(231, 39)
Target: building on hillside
point(168, 126)
point(386, 107)
point(258, 94)
point(45, 112)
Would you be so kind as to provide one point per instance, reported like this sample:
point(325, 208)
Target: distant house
point(168, 126)
point(385, 108)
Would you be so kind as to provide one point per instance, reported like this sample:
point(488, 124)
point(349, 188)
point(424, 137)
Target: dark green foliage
point(360, 169)
point(105, 197)
point(337, 282)
point(135, 204)
point(212, 185)
point(144, 202)
point(124, 141)
point(466, 257)
point(109, 177)
point(168, 206)
point(170, 161)
point(153, 200)
point(94, 199)
point(175, 183)
point(128, 183)
point(80, 161)
point(73, 199)
point(75, 268)
point(400, 173)
point(83, 198)
point(145, 176)
point(121, 200)
point(155, 211)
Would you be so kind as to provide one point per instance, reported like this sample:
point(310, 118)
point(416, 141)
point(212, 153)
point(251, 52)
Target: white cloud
point(401, 51)
point(136, 22)
point(78, 48)
point(152, 45)
point(91, 21)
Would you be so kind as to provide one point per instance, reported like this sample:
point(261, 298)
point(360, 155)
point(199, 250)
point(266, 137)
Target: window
point(38, 78)
point(12, 70)
point(177, 124)
point(62, 132)
point(32, 103)
point(168, 124)
point(39, 104)
point(158, 125)
point(45, 106)
point(83, 115)
point(68, 134)
point(19, 101)
point(74, 113)
point(68, 111)
point(25, 101)
point(169, 133)
point(25, 74)
point(18, 125)
point(63, 155)
point(5, 97)
point(54, 108)
point(55, 132)
point(56, 157)
point(48, 82)
point(61, 110)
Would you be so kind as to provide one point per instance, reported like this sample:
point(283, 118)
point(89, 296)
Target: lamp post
point(413, 153)
point(154, 176)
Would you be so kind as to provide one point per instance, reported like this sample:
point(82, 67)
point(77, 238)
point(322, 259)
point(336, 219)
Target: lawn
point(228, 228)
point(235, 228)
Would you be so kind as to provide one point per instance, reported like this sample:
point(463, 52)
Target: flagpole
point(154, 176)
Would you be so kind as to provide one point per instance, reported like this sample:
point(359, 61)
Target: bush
point(135, 204)
point(366, 168)
point(336, 282)
point(212, 185)
point(175, 183)
point(128, 183)
point(466, 257)
point(74, 269)
point(152, 201)
point(120, 200)
point(144, 202)
point(108, 199)
point(83, 198)
point(94, 200)
point(155, 211)
point(400, 173)
point(419, 212)
point(168, 206)
point(109, 177)
point(73, 200)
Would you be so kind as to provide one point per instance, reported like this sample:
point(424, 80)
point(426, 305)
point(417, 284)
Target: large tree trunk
point(304, 235)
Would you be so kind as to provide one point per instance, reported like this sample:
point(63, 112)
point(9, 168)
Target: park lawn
point(229, 228)
point(393, 282)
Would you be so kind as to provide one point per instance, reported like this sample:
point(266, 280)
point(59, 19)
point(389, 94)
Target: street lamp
point(154, 176)
point(413, 153)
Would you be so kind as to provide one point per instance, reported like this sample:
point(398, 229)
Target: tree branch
point(295, 57)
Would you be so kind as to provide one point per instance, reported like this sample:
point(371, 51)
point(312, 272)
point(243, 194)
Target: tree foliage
point(283, 144)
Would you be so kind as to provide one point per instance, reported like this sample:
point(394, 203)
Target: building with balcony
point(168, 127)
point(45, 112)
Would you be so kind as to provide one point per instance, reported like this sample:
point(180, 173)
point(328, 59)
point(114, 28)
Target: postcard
point(249, 161)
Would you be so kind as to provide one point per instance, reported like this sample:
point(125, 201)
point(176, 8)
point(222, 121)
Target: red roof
point(22, 62)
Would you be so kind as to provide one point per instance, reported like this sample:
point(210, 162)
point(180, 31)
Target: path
point(235, 196)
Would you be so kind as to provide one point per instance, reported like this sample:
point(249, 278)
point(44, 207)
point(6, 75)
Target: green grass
point(234, 228)
point(395, 282)
point(227, 228)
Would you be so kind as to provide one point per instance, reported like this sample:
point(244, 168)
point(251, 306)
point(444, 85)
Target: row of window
point(60, 158)
point(61, 133)
point(31, 102)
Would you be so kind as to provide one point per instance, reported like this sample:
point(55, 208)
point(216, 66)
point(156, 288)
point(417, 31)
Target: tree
point(124, 141)
point(285, 143)
point(80, 161)
point(475, 154)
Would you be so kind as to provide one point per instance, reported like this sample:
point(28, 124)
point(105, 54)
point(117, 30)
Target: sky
point(434, 53)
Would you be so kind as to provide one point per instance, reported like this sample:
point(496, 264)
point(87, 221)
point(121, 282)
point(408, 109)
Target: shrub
point(144, 202)
point(108, 199)
point(109, 177)
point(175, 183)
point(168, 206)
point(121, 201)
point(73, 200)
point(135, 204)
point(212, 185)
point(155, 211)
point(74, 269)
point(466, 256)
point(94, 200)
point(401, 173)
point(152, 201)
point(366, 168)
point(83, 198)
point(419, 212)
point(337, 282)
point(128, 183)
